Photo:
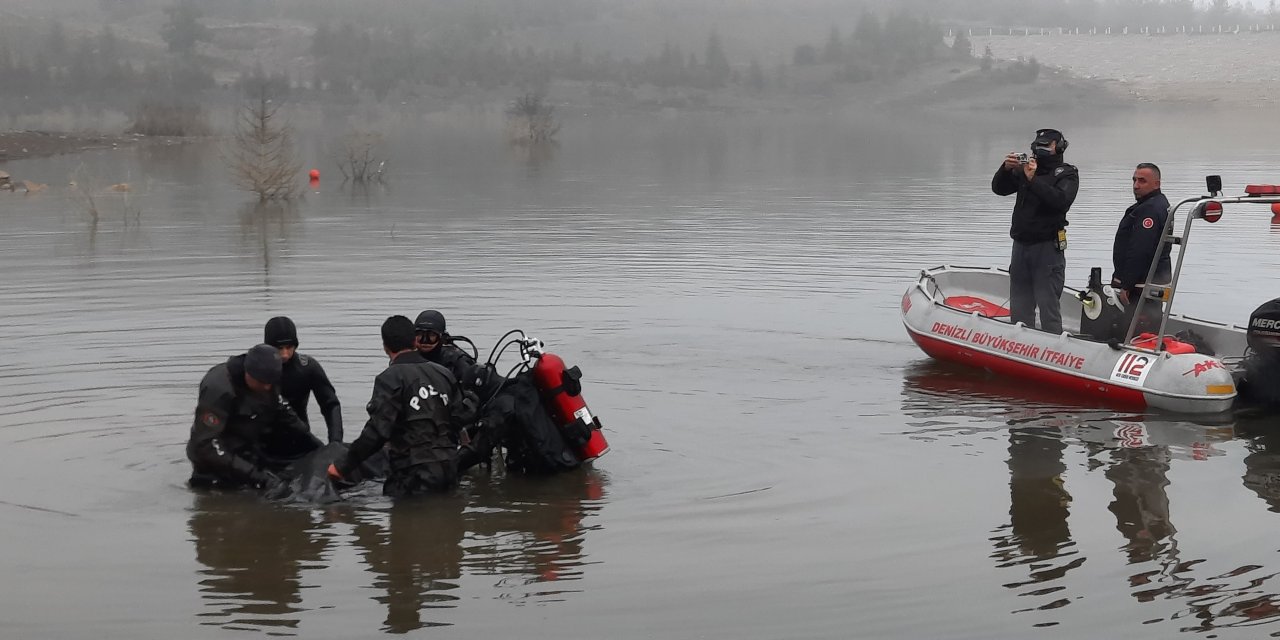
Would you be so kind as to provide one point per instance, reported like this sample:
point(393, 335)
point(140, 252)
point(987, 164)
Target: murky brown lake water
point(785, 464)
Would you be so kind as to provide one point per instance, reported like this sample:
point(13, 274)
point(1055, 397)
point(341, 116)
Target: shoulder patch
point(303, 360)
point(210, 419)
point(1147, 223)
point(1059, 170)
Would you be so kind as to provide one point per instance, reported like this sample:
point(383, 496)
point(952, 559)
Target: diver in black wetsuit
point(416, 411)
point(302, 376)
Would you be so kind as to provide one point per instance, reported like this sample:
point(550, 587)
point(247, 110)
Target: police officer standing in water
point(414, 412)
point(1045, 187)
point(244, 432)
point(302, 375)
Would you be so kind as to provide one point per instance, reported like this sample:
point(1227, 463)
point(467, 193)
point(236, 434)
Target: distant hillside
point(1228, 69)
point(715, 54)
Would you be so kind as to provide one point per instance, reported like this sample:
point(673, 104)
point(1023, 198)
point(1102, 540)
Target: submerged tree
point(359, 158)
point(530, 120)
point(160, 118)
point(261, 157)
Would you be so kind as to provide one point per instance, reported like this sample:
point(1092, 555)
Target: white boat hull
point(941, 316)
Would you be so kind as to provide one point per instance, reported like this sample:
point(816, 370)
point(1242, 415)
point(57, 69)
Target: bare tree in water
point(359, 158)
point(261, 157)
point(530, 120)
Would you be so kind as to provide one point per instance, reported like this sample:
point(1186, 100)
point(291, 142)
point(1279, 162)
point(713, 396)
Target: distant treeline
point(380, 47)
point(876, 49)
point(489, 15)
point(349, 59)
point(38, 66)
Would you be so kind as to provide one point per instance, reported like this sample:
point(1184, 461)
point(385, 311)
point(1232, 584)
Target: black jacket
point(411, 412)
point(301, 376)
point(458, 362)
point(235, 429)
point(1136, 241)
point(1042, 204)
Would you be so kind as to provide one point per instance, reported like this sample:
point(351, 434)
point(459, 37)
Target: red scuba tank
point(562, 395)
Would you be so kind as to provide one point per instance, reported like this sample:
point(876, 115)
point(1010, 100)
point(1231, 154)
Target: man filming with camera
point(1045, 187)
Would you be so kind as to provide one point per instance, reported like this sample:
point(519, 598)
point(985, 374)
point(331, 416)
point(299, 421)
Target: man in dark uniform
point(1138, 236)
point(302, 376)
point(414, 413)
point(243, 430)
point(1137, 239)
point(1046, 188)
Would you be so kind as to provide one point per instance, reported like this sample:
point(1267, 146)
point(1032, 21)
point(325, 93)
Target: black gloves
point(466, 410)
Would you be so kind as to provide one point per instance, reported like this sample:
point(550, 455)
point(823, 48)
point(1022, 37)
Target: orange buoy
point(315, 174)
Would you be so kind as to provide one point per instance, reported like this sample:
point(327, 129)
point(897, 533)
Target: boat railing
point(936, 294)
point(1208, 208)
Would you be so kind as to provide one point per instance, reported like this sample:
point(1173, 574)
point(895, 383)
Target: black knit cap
point(263, 363)
point(280, 332)
point(429, 320)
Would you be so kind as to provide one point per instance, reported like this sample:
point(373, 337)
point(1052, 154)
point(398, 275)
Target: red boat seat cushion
point(973, 303)
point(1171, 344)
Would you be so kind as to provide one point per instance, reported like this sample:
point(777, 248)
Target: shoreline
point(26, 144)
point(947, 88)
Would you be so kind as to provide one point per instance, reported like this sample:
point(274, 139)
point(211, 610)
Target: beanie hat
point(263, 363)
point(280, 332)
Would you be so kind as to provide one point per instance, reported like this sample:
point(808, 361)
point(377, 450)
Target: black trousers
point(1037, 273)
point(427, 477)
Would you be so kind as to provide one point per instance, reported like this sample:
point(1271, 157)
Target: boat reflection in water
point(1262, 464)
point(526, 532)
point(1049, 443)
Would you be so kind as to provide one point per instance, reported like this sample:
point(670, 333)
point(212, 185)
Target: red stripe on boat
point(1113, 395)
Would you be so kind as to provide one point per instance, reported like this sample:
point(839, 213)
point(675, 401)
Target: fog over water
point(725, 265)
point(785, 462)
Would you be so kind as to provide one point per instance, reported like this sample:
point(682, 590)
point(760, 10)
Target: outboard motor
point(1264, 328)
point(1261, 380)
point(1101, 314)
